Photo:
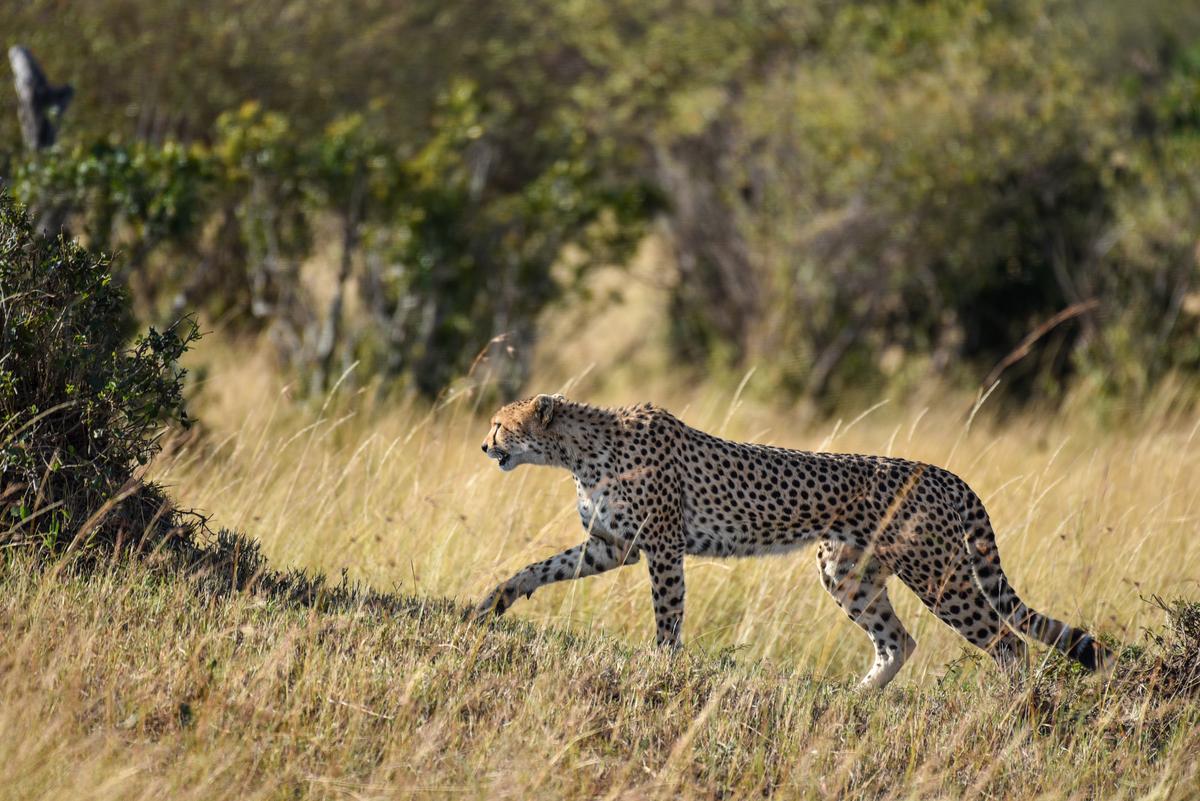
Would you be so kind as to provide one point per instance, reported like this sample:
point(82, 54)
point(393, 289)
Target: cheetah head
point(520, 432)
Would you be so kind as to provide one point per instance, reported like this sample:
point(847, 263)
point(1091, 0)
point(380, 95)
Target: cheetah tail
point(1075, 643)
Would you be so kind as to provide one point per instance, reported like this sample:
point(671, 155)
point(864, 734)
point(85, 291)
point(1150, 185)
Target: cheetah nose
point(485, 447)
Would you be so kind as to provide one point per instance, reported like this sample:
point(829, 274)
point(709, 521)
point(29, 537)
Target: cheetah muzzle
point(648, 484)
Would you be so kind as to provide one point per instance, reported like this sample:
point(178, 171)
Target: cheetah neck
point(585, 439)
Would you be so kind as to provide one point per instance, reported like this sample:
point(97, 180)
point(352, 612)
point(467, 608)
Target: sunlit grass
point(1089, 522)
point(126, 684)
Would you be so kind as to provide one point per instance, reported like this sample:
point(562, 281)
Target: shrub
point(80, 408)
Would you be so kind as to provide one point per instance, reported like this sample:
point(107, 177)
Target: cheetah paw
point(493, 606)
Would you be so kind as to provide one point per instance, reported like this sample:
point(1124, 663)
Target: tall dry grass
point(125, 683)
point(122, 685)
point(1090, 522)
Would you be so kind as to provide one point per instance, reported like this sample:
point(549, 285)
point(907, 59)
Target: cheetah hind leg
point(959, 603)
point(856, 582)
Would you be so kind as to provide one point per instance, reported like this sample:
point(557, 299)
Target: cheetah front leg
point(586, 559)
point(667, 591)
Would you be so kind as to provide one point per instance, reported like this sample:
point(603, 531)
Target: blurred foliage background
point(851, 195)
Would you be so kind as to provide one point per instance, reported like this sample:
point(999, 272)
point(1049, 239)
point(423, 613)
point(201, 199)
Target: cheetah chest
point(598, 506)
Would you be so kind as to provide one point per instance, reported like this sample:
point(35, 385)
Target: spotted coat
point(648, 484)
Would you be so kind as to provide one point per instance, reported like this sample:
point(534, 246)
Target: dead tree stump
point(40, 105)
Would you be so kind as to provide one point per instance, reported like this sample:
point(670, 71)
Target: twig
point(1026, 344)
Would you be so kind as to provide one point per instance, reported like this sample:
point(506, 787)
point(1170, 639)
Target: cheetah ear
point(544, 406)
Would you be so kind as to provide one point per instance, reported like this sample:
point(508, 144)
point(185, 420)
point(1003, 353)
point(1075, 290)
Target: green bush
point(859, 196)
point(456, 246)
point(930, 183)
point(477, 233)
point(80, 408)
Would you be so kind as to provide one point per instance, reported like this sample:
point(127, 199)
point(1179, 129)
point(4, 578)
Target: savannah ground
point(123, 682)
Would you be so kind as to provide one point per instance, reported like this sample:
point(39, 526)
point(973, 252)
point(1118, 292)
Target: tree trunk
point(331, 329)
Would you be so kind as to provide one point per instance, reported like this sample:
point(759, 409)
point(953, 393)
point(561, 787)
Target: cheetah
point(649, 484)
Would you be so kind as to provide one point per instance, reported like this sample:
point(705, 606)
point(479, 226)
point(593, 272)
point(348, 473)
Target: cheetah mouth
point(502, 457)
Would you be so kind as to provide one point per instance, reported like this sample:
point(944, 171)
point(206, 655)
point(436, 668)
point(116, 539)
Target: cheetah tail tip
point(1093, 654)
